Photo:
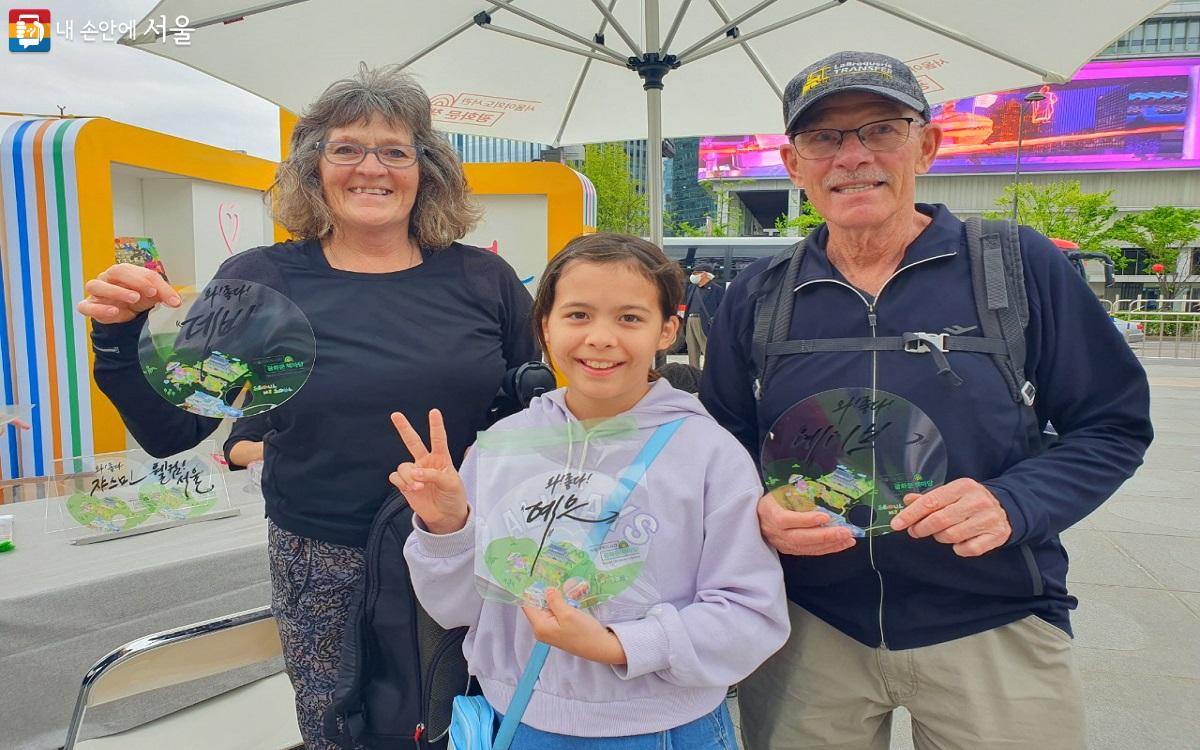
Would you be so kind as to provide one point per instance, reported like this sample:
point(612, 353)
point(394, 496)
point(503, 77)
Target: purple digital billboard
point(1120, 115)
point(740, 157)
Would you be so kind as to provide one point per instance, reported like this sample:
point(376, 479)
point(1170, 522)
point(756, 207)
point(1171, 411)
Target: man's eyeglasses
point(881, 135)
point(393, 155)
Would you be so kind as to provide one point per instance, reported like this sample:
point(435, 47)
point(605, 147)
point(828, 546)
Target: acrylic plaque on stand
point(235, 349)
point(107, 496)
point(853, 454)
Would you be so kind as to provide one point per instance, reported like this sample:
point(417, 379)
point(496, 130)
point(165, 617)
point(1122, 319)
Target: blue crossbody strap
point(631, 476)
point(616, 501)
point(520, 699)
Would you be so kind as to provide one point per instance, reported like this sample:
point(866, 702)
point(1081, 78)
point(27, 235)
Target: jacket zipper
point(873, 321)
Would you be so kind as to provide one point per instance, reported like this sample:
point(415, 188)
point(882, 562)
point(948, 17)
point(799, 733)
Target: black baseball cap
point(851, 71)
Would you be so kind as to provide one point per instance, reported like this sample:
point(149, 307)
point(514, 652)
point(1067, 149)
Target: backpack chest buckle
point(920, 343)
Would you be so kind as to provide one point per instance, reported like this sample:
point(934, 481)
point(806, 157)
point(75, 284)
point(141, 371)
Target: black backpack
point(384, 697)
point(1001, 301)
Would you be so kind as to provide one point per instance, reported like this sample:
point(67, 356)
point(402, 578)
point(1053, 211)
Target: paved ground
point(1135, 567)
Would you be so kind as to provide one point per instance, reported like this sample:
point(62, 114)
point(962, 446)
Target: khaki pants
point(1010, 687)
point(697, 342)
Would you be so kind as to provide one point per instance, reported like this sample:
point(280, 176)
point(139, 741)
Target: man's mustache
point(846, 178)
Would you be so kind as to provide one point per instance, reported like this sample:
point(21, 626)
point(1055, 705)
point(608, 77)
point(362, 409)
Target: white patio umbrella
point(568, 71)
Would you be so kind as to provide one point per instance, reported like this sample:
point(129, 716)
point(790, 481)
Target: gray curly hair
point(443, 210)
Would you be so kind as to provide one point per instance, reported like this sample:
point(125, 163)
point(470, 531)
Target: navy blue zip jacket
point(900, 592)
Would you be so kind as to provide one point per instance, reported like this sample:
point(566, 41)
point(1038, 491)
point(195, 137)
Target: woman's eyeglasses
point(392, 155)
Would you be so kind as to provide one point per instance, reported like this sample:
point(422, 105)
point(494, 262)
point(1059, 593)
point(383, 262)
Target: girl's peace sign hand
point(432, 487)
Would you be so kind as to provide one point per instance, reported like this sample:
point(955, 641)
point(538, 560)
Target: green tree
point(807, 220)
point(1064, 210)
point(620, 206)
point(677, 228)
point(1163, 232)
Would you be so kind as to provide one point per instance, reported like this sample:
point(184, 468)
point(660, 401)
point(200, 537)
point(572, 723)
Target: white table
point(64, 606)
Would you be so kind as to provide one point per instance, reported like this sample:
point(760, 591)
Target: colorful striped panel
point(43, 341)
point(589, 201)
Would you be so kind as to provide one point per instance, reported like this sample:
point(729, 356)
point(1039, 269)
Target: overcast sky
point(122, 83)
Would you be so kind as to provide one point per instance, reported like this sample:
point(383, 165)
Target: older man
point(961, 614)
point(701, 301)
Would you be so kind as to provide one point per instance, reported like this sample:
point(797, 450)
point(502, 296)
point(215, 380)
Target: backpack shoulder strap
point(344, 718)
point(998, 278)
point(773, 309)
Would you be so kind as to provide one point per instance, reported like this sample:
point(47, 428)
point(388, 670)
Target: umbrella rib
point(675, 25)
point(253, 10)
point(610, 18)
point(443, 40)
point(555, 45)
point(562, 126)
point(534, 18)
point(587, 65)
point(742, 39)
point(716, 4)
point(1046, 75)
point(724, 29)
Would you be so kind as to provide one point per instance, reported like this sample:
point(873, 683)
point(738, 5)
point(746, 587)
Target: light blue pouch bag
point(472, 723)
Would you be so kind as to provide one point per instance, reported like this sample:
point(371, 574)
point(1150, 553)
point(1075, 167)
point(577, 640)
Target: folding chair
point(260, 715)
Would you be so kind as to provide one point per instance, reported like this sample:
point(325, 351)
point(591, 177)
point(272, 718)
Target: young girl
point(604, 308)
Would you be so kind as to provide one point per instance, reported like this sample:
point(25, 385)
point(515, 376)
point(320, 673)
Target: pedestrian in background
point(701, 303)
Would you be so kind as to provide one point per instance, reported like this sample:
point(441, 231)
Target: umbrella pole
point(653, 86)
point(654, 165)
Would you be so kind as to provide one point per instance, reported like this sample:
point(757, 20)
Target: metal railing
point(1160, 329)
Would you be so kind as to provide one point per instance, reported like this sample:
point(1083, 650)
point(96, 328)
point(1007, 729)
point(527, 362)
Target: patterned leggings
point(311, 586)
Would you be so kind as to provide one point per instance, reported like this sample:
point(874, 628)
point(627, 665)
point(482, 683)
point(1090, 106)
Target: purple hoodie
point(720, 611)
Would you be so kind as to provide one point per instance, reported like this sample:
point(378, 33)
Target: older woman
point(405, 319)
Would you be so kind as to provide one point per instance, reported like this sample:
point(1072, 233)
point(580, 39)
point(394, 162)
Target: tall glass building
point(482, 149)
